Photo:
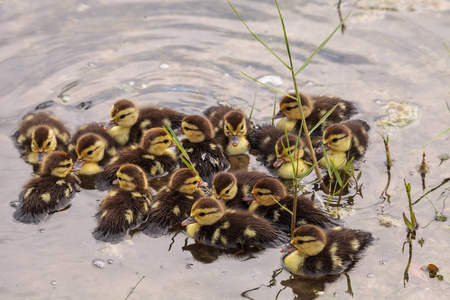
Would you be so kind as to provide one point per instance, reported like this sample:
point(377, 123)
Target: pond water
point(77, 58)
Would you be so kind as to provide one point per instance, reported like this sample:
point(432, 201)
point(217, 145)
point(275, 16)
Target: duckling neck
point(239, 149)
point(121, 134)
point(253, 206)
point(286, 172)
point(192, 229)
point(90, 168)
point(294, 262)
point(289, 123)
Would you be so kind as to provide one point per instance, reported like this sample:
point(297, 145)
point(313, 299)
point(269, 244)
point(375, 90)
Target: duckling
point(210, 224)
point(267, 190)
point(205, 154)
point(124, 207)
point(345, 140)
point(314, 108)
point(316, 252)
point(152, 156)
point(173, 203)
point(231, 187)
point(301, 157)
point(93, 147)
point(232, 128)
point(39, 134)
point(49, 191)
point(263, 139)
point(128, 123)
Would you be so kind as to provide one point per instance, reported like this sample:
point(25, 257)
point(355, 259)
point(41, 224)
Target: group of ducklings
point(244, 208)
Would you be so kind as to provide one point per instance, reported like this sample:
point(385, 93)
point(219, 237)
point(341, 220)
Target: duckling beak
point(278, 115)
point(288, 248)
point(115, 182)
point(40, 157)
point(278, 162)
point(190, 220)
point(77, 165)
point(178, 131)
point(110, 125)
point(172, 145)
point(234, 140)
point(202, 184)
point(249, 197)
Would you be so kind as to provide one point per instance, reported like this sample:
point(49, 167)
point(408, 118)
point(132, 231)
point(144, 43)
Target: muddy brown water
point(76, 58)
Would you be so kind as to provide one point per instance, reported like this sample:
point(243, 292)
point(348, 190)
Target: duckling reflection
point(308, 288)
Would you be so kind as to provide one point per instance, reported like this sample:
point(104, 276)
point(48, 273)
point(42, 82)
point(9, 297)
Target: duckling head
point(197, 128)
point(186, 181)
point(156, 141)
point(266, 190)
point(337, 137)
point(124, 113)
point(205, 211)
point(289, 107)
point(284, 147)
point(235, 126)
point(43, 140)
point(57, 163)
point(90, 149)
point(224, 186)
point(131, 178)
point(308, 240)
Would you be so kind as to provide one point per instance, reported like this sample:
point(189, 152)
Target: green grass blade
point(256, 37)
point(323, 119)
point(283, 207)
point(285, 36)
point(322, 45)
point(435, 138)
point(253, 106)
point(446, 47)
point(187, 163)
point(266, 85)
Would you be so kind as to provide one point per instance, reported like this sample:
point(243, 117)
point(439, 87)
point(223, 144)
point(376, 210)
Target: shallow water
point(77, 58)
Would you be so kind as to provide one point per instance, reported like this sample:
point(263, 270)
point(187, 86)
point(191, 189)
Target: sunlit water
point(77, 58)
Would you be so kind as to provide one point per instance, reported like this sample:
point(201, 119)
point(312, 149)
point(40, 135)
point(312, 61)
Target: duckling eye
point(334, 140)
point(202, 214)
point(165, 141)
point(119, 178)
point(90, 152)
point(195, 182)
point(226, 126)
point(67, 166)
point(227, 191)
point(122, 116)
point(300, 242)
point(289, 108)
point(259, 193)
point(48, 144)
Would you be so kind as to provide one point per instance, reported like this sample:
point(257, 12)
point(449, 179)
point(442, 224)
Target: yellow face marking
point(94, 153)
point(125, 181)
point(193, 134)
point(264, 196)
point(190, 185)
point(228, 193)
point(63, 170)
point(160, 145)
point(46, 197)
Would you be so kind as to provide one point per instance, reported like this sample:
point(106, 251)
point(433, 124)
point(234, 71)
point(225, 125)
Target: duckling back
point(263, 140)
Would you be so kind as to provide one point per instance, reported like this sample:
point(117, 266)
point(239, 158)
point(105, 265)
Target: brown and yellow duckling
point(205, 154)
point(231, 187)
point(173, 203)
point(301, 157)
point(125, 207)
point(263, 139)
point(50, 190)
point(153, 156)
point(314, 108)
point(267, 190)
point(39, 134)
point(316, 252)
point(210, 224)
point(232, 128)
point(92, 147)
point(344, 141)
point(128, 123)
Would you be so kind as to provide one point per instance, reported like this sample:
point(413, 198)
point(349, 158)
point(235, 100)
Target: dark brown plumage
point(128, 123)
point(317, 252)
point(231, 187)
point(124, 207)
point(263, 140)
point(210, 224)
point(152, 156)
point(49, 191)
point(205, 154)
point(41, 133)
point(314, 108)
point(266, 190)
point(173, 203)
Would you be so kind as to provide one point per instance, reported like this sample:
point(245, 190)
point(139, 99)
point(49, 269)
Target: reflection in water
point(207, 254)
point(238, 162)
point(272, 282)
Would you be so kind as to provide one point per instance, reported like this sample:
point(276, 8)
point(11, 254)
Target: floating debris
point(163, 66)
point(53, 282)
point(271, 79)
point(399, 115)
point(443, 158)
point(99, 263)
point(389, 221)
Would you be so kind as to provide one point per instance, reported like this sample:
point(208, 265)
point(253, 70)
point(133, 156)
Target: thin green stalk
point(132, 290)
point(253, 106)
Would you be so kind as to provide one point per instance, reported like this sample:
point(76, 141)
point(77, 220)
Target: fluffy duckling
point(231, 187)
point(232, 128)
point(205, 154)
point(210, 224)
point(39, 134)
point(345, 140)
point(93, 148)
point(263, 140)
point(125, 207)
point(152, 156)
point(267, 190)
point(173, 203)
point(316, 252)
point(301, 157)
point(49, 191)
point(128, 123)
point(314, 108)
